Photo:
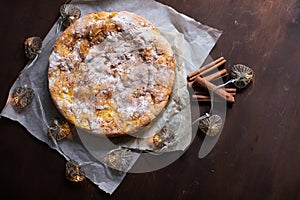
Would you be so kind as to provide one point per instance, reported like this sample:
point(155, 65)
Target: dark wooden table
point(258, 153)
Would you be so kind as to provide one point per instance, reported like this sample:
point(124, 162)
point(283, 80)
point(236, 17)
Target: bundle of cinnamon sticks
point(205, 76)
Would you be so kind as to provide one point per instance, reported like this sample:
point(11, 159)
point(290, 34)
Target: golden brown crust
point(111, 73)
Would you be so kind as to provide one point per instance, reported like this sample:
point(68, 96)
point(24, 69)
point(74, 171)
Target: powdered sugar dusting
point(118, 80)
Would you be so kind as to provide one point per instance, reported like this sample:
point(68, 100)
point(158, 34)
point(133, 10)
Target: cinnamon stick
point(199, 96)
point(210, 86)
point(232, 91)
point(216, 75)
point(229, 90)
point(211, 77)
point(206, 99)
point(205, 67)
point(212, 68)
point(202, 100)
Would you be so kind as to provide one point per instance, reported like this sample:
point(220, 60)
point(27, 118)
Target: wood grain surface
point(258, 153)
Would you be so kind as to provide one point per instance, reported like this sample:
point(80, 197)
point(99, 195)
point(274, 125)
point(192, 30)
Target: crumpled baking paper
point(191, 42)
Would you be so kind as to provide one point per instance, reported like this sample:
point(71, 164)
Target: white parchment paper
point(191, 42)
